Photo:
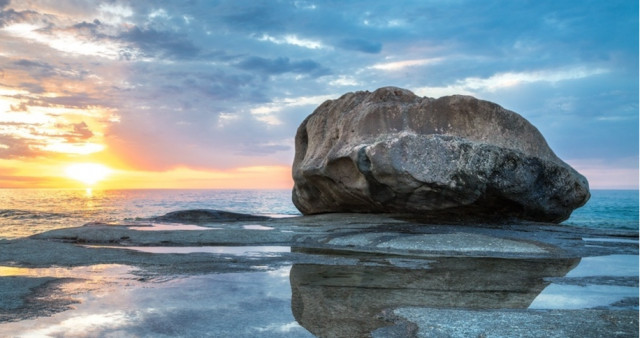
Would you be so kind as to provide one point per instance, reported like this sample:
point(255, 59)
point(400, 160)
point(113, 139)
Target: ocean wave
point(18, 214)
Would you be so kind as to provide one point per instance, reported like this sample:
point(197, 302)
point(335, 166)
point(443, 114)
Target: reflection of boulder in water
point(345, 301)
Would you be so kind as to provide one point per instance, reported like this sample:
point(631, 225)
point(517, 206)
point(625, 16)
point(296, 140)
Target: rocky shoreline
point(360, 274)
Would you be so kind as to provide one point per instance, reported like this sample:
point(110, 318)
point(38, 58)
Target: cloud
point(268, 112)
point(398, 65)
point(501, 81)
point(80, 132)
point(252, 16)
point(294, 40)
point(34, 138)
point(160, 44)
point(10, 16)
point(88, 30)
point(360, 45)
point(32, 88)
point(344, 80)
point(22, 107)
point(511, 79)
point(16, 147)
point(115, 13)
point(42, 68)
point(64, 40)
point(282, 65)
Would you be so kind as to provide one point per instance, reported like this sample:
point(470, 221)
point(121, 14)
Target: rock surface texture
point(390, 151)
point(206, 215)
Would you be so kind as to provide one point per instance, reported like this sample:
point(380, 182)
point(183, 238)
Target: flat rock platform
point(340, 275)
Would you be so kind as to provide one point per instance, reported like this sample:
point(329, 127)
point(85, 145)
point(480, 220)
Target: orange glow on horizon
point(260, 177)
point(59, 174)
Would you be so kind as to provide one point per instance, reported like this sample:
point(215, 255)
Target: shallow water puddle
point(170, 227)
point(590, 295)
point(85, 272)
point(571, 297)
point(315, 297)
point(229, 304)
point(256, 227)
point(612, 265)
point(223, 250)
point(180, 227)
point(40, 292)
point(282, 215)
point(610, 240)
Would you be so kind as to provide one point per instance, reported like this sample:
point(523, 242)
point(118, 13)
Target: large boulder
point(390, 151)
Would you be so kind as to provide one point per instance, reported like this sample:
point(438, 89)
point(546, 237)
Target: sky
point(209, 94)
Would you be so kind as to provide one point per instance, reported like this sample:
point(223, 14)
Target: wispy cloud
point(294, 40)
point(361, 45)
point(64, 42)
point(475, 85)
point(268, 112)
point(511, 79)
point(398, 65)
point(282, 65)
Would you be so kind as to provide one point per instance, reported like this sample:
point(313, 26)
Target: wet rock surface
point(349, 275)
point(206, 216)
point(390, 151)
point(519, 323)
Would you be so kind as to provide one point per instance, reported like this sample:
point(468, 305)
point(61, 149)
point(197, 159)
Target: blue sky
point(222, 85)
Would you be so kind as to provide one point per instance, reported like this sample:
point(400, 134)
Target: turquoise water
point(24, 212)
point(611, 209)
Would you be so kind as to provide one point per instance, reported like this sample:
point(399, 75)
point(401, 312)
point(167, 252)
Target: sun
point(87, 173)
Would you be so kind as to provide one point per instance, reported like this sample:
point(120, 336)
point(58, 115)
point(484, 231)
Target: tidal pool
point(301, 298)
point(256, 227)
point(169, 227)
point(89, 272)
point(586, 287)
point(226, 250)
point(231, 304)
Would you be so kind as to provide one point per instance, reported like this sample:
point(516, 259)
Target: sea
point(24, 212)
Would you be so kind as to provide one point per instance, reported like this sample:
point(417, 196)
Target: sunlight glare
point(88, 173)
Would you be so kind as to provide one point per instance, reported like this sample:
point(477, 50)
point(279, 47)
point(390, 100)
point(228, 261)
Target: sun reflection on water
point(84, 272)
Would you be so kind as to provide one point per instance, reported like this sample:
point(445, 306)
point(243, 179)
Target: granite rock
point(390, 151)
